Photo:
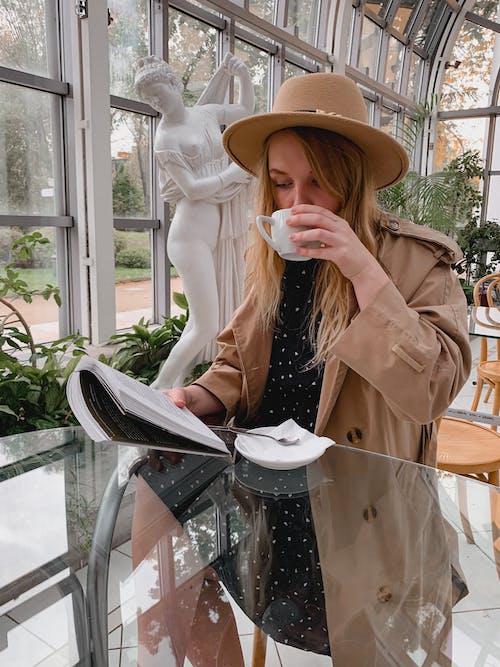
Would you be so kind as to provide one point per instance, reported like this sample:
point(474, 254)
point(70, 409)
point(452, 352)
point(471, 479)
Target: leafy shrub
point(134, 258)
point(33, 381)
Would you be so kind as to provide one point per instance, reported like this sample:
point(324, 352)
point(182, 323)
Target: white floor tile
point(272, 658)
point(23, 648)
point(56, 660)
point(114, 658)
point(476, 639)
point(293, 657)
point(481, 578)
point(129, 657)
point(126, 548)
point(115, 638)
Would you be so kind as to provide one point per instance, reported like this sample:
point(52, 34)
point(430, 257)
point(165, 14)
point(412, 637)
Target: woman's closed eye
point(284, 184)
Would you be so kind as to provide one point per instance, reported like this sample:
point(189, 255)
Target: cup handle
point(259, 222)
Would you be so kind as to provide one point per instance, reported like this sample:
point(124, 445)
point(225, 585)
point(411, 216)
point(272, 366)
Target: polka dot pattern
point(293, 387)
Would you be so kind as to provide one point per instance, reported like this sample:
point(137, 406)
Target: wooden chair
point(487, 370)
point(472, 450)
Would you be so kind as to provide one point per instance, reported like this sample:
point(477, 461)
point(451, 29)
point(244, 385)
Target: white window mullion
point(93, 172)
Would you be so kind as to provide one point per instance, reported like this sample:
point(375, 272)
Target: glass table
point(124, 556)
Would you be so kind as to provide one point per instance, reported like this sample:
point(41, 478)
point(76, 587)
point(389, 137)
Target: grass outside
point(38, 278)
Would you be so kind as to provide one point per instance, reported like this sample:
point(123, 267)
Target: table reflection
point(366, 572)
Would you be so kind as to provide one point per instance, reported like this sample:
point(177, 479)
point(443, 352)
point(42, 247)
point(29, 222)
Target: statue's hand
point(234, 174)
point(234, 66)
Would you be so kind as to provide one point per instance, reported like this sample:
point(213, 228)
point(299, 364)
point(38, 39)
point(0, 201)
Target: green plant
point(135, 258)
point(32, 376)
point(476, 241)
point(142, 350)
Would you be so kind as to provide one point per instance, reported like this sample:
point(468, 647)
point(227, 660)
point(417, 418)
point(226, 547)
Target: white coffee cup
point(280, 234)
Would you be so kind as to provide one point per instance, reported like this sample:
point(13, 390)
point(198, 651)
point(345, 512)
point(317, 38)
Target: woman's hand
point(336, 241)
point(197, 399)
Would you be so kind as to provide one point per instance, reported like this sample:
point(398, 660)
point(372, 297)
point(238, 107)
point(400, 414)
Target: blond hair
point(340, 168)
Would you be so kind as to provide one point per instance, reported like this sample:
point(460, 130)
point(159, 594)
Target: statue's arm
point(246, 99)
point(206, 187)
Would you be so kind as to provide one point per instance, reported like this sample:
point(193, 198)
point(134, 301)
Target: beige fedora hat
point(327, 101)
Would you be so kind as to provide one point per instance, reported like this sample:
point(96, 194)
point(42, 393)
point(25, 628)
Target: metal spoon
point(281, 441)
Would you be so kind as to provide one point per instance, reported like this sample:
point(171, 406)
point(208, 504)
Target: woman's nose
point(302, 196)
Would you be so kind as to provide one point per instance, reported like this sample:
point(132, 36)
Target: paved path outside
point(133, 301)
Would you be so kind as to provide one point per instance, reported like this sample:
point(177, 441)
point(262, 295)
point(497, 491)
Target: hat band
point(327, 113)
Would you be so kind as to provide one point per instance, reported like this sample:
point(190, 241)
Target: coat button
point(384, 594)
point(393, 224)
point(370, 514)
point(354, 435)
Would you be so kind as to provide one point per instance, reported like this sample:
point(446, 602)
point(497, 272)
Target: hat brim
point(244, 141)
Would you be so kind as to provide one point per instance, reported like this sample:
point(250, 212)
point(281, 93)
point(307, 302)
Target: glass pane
point(370, 108)
point(454, 137)
point(130, 154)
point(263, 8)
point(394, 62)
point(292, 70)
point(42, 316)
point(433, 13)
point(351, 56)
point(403, 14)
point(26, 28)
point(192, 48)
point(258, 63)
point(378, 6)
point(488, 9)
point(388, 121)
point(468, 82)
point(303, 19)
point(495, 162)
point(134, 292)
point(493, 208)
point(368, 56)
point(27, 181)
point(415, 76)
point(128, 41)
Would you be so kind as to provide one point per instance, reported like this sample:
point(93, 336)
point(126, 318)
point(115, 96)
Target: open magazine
point(113, 406)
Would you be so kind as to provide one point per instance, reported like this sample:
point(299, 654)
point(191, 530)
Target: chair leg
point(495, 410)
point(462, 507)
point(477, 395)
point(493, 478)
point(259, 648)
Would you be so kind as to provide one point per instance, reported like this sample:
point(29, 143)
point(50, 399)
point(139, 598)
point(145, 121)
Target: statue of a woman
point(207, 237)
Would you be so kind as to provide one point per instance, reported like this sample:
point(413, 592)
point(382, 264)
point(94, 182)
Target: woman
point(377, 319)
point(367, 344)
point(210, 221)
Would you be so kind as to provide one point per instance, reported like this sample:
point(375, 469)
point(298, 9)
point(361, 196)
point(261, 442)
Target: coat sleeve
point(224, 378)
point(415, 353)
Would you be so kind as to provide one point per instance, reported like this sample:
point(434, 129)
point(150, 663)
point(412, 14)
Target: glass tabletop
point(484, 321)
point(358, 557)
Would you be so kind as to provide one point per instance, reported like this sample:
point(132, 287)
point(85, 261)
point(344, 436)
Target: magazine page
point(137, 399)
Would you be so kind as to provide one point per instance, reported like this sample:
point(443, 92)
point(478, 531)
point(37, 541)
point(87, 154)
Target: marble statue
point(208, 234)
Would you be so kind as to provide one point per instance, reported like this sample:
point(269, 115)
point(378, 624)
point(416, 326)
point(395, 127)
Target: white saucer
point(270, 454)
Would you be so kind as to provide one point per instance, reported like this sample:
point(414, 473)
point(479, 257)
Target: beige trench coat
point(398, 365)
point(384, 553)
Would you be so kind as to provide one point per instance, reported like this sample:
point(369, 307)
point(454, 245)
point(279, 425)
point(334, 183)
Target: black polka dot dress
point(293, 386)
point(294, 608)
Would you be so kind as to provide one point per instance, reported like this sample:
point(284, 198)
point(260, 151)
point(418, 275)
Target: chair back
point(480, 293)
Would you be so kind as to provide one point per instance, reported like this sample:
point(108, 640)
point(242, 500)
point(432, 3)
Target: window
point(369, 49)
point(32, 186)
